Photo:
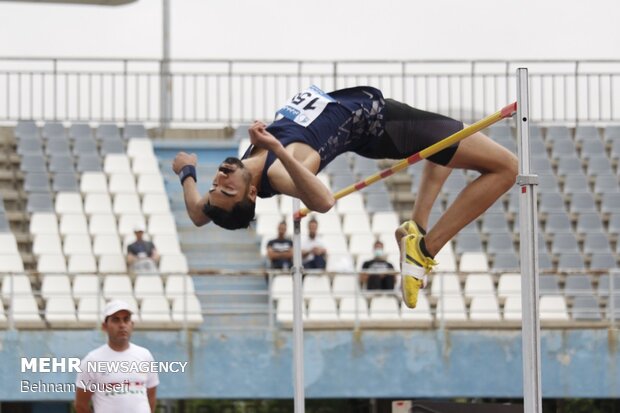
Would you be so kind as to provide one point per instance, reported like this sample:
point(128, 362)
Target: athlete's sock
point(424, 250)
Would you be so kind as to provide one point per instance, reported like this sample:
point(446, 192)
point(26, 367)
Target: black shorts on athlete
point(409, 130)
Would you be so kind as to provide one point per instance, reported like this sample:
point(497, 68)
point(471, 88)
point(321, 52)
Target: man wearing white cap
point(121, 390)
point(142, 256)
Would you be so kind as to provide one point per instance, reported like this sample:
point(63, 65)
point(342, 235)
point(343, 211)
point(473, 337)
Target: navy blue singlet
point(353, 124)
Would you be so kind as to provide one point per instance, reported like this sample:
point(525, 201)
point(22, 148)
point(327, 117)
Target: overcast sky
point(318, 29)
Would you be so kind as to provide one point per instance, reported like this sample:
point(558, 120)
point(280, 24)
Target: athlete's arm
point(151, 394)
point(299, 181)
point(82, 400)
point(194, 202)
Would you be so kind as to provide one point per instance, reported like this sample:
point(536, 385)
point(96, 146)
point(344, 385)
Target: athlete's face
point(119, 327)
point(230, 185)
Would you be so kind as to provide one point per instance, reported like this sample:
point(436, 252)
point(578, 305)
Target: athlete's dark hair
point(240, 216)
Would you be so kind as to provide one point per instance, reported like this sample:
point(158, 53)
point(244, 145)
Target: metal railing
point(229, 92)
point(358, 317)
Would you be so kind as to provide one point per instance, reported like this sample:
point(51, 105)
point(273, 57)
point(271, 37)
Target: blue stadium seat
point(578, 285)
point(602, 261)
point(586, 309)
point(36, 182)
point(61, 164)
point(78, 131)
point(558, 133)
point(54, 130)
point(589, 222)
point(571, 262)
point(586, 133)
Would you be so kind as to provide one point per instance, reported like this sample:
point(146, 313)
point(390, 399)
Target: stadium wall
point(338, 364)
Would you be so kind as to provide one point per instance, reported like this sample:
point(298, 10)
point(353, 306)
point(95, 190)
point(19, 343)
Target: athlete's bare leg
point(498, 168)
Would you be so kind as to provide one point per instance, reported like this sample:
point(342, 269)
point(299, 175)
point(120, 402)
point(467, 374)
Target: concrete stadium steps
point(233, 301)
point(237, 302)
point(14, 197)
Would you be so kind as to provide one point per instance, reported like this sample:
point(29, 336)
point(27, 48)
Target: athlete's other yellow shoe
point(415, 266)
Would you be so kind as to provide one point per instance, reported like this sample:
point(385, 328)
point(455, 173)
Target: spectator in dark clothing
point(142, 256)
point(378, 263)
point(313, 251)
point(280, 249)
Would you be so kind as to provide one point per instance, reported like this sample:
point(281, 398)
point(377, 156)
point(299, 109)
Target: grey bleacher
point(112, 145)
point(569, 261)
point(53, 130)
point(61, 164)
point(134, 130)
point(582, 202)
point(30, 146)
point(40, 202)
point(58, 147)
point(593, 148)
point(557, 222)
point(85, 146)
point(78, 131)
point(378, 202)
point(606, 184)
point(65, 182)
point(468, 242)
point(586, 133)
point(602, 261)
point(611, 133)
point(558, 133)
point(595, 239)
point(505, 262)
point(586, 308)
point(494, 222)
point(37, 182)
point(578, 285)
point(26, 128)
point(549, 284)
point(576, 183)
point(107, 131)
point(616, 308)
point(590, 223)
point(564, 243)
point(500, 242)
point(89, 163)
point(33, 163)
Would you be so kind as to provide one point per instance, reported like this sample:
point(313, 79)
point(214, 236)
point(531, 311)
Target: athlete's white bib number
point(306, 106)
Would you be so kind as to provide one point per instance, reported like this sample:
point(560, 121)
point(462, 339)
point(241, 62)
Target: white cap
point(115, 306)
point(139, 227)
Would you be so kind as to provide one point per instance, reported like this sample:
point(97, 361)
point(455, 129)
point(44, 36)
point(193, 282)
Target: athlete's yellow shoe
point(415, 266)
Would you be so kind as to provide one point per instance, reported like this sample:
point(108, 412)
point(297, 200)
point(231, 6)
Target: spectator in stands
point(280, 249)
point(376, 280)
point(112, 392)
point(313, 252)
point(315, 127)
point(142, 256)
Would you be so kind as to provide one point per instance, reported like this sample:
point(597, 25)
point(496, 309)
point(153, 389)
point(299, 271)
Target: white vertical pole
point(165, 84)
point(298, 327)
point(532, 395)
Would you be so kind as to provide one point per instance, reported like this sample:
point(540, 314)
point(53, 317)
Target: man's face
point(139, 235)
point(119, 327)
point(312, 228)
point(281, 230)
point(231, 184)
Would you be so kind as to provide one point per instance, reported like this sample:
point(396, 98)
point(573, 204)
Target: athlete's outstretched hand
point(183, 159)
point(261, 138)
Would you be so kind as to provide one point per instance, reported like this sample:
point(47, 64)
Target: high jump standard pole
point(298, 326)
point(528, 225)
